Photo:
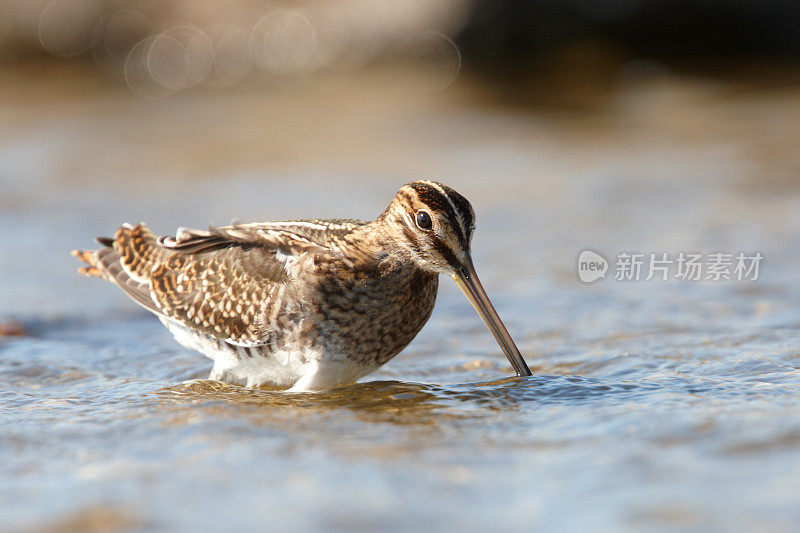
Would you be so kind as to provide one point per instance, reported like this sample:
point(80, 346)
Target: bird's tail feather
point(126, 260)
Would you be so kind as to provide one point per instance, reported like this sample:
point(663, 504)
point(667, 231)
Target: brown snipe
point(304, 304)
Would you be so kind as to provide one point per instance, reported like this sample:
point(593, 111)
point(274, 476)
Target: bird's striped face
point(436, 225)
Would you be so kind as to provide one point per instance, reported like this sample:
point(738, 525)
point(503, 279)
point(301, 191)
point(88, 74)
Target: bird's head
point(433, 224)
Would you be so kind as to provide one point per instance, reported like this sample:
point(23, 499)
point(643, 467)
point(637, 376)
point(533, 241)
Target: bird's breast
point(370, 316)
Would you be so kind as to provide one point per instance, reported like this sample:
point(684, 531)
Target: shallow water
point(654, 404)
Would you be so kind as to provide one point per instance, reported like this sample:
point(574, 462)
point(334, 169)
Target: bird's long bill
point(467, 280)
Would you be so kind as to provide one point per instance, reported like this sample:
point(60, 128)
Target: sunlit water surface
point(654, 403)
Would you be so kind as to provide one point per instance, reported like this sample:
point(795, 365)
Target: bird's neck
point(376, 247)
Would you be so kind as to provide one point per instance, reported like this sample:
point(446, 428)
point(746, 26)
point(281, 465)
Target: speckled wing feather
point(220, 282)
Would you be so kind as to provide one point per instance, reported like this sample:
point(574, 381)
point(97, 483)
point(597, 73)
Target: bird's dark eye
point(424, 220)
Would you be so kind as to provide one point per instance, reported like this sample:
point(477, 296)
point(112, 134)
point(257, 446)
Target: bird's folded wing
point(221, 282)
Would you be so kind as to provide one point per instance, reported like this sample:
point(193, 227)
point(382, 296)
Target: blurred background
point(661, 126)
point(174, 88)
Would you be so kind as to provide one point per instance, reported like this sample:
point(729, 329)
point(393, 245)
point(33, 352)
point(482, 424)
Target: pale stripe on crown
point(450, 201)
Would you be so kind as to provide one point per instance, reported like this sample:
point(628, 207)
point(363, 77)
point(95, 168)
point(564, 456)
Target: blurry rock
point(513, 36)
point(12, 328)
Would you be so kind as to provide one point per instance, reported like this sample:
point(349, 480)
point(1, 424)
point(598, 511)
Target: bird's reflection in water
point(407, 403)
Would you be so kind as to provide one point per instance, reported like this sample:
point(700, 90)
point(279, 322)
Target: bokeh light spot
point(284, 42)
point(232, 61)
point(125, 29)
point(156, 67)
point(168, 62)
point(437, 60)
point(198, 50)
point(69, 27)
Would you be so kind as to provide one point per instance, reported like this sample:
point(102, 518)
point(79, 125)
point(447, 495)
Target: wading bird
point(304, 304)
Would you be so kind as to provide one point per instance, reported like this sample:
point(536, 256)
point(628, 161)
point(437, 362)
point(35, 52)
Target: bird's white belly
point(285, 369)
